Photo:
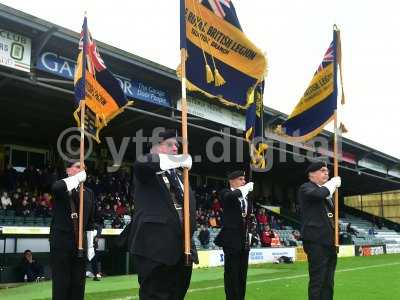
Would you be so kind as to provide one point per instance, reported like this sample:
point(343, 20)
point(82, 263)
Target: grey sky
point(294, 34)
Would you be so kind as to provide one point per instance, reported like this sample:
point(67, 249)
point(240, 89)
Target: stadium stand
point(364, 236)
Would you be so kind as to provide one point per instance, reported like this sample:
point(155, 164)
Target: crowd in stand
point(262, 226)
point(28, 194)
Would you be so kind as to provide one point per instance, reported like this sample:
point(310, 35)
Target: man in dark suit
point(233, 236)
point(68, 265)
point(156, 236)
point(317, 229)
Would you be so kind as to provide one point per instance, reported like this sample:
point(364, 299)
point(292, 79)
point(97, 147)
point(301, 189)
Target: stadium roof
point(36, 106)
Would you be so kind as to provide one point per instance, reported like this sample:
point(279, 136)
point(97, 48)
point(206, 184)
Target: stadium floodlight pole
point(186, 209)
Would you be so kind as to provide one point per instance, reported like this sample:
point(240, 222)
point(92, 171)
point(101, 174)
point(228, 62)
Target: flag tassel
point(209, 74)
point(219, 80)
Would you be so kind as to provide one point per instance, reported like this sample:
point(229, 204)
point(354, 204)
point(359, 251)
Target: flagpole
point(82, 140)
point(335, 139)
point(336, 173)
point(82, 167)
point(186, 209)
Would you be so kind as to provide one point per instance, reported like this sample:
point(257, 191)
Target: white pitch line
point(272, 279)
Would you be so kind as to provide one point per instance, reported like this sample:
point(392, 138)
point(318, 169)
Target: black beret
point(69, 164)
point(71, 161)
point(167, 134)
point(315, 166)
point(235, 174)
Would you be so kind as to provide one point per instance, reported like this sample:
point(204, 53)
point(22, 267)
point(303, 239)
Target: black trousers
point(235, 273)
point(68, 275)
point(95, 263)
point(321, 269)
point(161, 282)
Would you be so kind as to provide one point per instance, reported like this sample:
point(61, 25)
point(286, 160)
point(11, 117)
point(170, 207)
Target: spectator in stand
point(219, 221)
point(276, 239)
point(121, 209)
point(118, 222)
point(204, 236)
point(98, 216)
point(372, 231)
point(350, 229)
point(32, 270)
point(255, 237)
point(6, 201)
point(202, 220)
point(291, 241)
point(43, 210)
point(24, 209)
point(216, 206)
point(34, 206)
point(108, 213)
point(199, 212)
point(47, 199)
point(276, 223)
point(201, 196)
point(266, 236)
point(296, 235)
point(212, 221)
point(15, 199)
point(261, 218)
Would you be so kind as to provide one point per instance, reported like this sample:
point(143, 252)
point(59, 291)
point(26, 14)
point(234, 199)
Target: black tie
point(330, 203)
point(175, 185)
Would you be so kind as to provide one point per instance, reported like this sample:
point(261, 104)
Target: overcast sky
point(294, 35)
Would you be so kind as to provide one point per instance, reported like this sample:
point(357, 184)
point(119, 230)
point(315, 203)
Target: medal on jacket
point(243, 207)
point(166, 181)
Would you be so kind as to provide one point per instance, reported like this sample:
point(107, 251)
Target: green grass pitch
point(357, 278)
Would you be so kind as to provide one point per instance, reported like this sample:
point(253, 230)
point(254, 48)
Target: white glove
point(90, 253)
point(247, 188)
point(73, 182)
point(337, 180)
point(90, 245)
point(168, 161)
point(332, 184)
point(81, 176)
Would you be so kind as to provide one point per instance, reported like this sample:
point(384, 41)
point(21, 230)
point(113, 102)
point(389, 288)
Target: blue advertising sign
point(61, 66)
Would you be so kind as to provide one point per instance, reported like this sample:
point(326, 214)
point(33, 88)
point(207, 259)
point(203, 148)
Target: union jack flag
point(328, 57)
point(94, 61)
point(218, 9)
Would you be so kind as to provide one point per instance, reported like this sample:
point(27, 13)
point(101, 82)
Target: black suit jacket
point(156, 231)
point(233, 233)
point(315, 224)
point(61, 228)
